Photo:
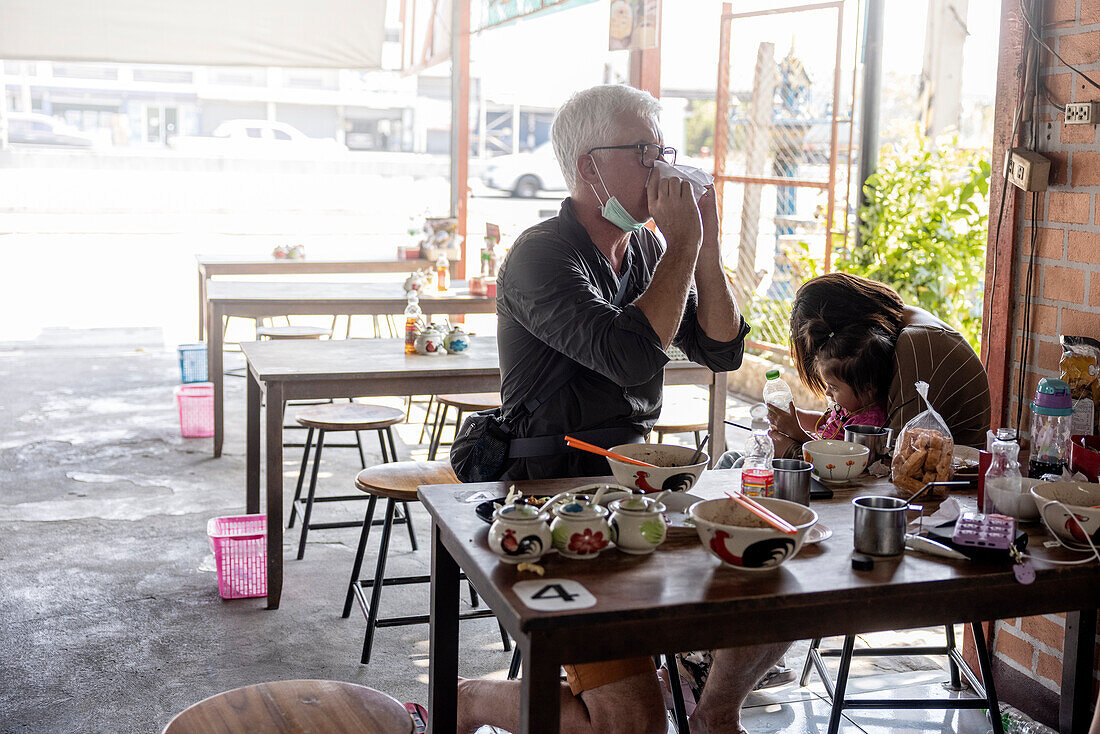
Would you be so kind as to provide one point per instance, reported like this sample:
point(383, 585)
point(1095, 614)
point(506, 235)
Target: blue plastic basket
point(192, 362)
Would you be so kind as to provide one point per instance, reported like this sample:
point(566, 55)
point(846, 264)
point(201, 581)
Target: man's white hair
point(587, 120)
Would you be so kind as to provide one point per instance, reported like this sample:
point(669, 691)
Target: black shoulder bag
point(485, 443)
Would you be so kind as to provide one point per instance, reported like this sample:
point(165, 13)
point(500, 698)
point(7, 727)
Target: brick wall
point(1066, 300)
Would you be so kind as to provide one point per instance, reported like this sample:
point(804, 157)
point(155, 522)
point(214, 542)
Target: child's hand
point(785, 422)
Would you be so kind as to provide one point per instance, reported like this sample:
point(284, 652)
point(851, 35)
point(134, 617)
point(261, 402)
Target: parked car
point(525, 174)
point(31, 128)
point(253, 136)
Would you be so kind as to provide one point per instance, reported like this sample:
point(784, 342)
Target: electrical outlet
point(1027, 169)
point(1082, 113)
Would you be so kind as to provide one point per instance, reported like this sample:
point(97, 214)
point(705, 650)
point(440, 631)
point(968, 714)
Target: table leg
point(717, 417)
point(540, 690)
point(252, 442)
point(274, 470)
point(202, 302)
point(1077, 664)
point(214, 369)
point(443, 640)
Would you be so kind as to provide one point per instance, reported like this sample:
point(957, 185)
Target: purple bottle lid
point(1052, 398)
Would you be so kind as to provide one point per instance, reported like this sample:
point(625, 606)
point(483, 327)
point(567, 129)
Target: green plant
point(924, 229)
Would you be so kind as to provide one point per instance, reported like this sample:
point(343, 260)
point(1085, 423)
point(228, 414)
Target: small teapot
point(519, 533)
point(579, 529)
point(430, 341)
point(414, 282)
point(638, 524)
point(456, 341)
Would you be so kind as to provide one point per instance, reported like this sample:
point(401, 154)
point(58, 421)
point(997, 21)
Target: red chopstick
point(762, 512)
point(576, 443)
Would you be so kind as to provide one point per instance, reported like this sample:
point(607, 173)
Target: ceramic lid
point(579, 510)
point(639, 505)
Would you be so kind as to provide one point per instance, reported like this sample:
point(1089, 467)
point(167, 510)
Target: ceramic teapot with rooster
point(520, 533)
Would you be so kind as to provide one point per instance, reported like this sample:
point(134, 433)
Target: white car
point(525, 174)
point(32, 128)
point(255, 136)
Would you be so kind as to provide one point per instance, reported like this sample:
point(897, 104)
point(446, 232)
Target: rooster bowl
point(1056, 500)
point(673, 468)
point(740, 539)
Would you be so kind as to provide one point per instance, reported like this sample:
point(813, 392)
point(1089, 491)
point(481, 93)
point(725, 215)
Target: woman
point(925, 348)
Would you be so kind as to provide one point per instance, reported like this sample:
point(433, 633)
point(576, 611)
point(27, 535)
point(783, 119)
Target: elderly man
point(587, 302)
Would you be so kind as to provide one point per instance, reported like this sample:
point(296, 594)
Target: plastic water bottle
point(414, 318)
point(757, 475)
point(1003, 481)
point(777, 392)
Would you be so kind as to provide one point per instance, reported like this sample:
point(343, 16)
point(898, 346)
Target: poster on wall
point(634, 24)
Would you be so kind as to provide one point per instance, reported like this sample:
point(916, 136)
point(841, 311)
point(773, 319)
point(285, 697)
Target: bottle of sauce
point(442, 273)
point(414, 319)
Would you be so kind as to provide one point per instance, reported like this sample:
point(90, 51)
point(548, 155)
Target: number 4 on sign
point(553, 595)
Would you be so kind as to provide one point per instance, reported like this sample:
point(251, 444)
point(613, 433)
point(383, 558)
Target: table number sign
point(554, 595)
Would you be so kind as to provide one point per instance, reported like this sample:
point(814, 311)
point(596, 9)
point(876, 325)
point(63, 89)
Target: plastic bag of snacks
point(1080, 365)
point(923, 450)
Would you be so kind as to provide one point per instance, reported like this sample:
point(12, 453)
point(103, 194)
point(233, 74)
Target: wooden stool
point(342, 417)
point(396, 482)
point(470, 403)
point(295, 707)
point(681, 413)
point(292, 332)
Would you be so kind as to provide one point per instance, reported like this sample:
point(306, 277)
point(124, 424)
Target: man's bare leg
point(732, 676)
point(632, 706)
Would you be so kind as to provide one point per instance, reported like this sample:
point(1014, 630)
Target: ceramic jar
point(519, 533)
point(456, 341)
point(430, 341)
point(638, 524)
point(414, 282)
point(580, 530)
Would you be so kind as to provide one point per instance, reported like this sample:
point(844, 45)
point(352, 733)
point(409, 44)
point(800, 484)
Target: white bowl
point(836, 462)
point(1020, 505)
point(741, 540)
point(672, 471)
point(1080, 498)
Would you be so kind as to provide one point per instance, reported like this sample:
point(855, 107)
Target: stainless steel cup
point(880, 525)
point(873, 437)
point(792, 480)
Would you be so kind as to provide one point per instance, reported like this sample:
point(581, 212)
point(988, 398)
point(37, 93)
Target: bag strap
point(568, 367)
point(526, 448)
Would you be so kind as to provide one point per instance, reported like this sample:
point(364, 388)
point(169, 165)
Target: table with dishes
point(573, 582)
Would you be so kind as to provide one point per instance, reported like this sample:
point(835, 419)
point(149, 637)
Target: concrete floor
point(110, 620)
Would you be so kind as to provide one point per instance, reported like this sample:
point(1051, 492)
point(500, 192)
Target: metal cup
point(873, 437)
point(880, 525)
point(792, 480)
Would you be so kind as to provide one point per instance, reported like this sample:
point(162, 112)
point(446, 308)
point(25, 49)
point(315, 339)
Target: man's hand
point(673, 209)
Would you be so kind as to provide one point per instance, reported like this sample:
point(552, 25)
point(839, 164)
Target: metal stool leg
point(362, 456)
point(809, 661)
point(504, 638)
point(437, 432)
point(427, 415)
point(312, 490)
point(358, 565)
point(513, 667)
point(956, 684)
point(986, 670)
point(379, 576)
point(678, 706)
point(841, 684)
point(301, 478)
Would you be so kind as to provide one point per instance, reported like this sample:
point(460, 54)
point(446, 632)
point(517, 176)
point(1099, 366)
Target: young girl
point(854, 367)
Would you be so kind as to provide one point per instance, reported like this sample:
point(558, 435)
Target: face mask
point(615, 212)
point(697, 177)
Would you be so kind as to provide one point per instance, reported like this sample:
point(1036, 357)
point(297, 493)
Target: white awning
point(344, 34)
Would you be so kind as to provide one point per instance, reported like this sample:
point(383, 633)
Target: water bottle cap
point(772, 374)
point(1052, 398)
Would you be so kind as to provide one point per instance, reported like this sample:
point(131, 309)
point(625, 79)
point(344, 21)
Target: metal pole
point(460, 121)
point(872, 83)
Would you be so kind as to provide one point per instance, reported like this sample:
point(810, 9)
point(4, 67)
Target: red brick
point(1086, 166)
point(1014, 648)
point(1080, 48)
point(1080, 323)
point(1049, 667)
point(1042, 629)
point(1075, 134)
point(1060, 13)
point(1090, 13)
point(1059, 166)
point(1044, 319)
point(1066, 207)
point(1063, 284)
point(1084, 247)
point(1094, 300)
point(1050, 243)
point(1044, 353)
point(1060, 87)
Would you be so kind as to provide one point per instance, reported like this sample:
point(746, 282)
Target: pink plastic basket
point(196, 404)
point(240, 552)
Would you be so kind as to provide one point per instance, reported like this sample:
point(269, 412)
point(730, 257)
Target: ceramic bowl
point(1020, 505)
point(740, 539)
point(836, 462)
point(672, 471)
point(1080, 498)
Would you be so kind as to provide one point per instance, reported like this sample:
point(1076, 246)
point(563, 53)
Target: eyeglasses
point(650, 152)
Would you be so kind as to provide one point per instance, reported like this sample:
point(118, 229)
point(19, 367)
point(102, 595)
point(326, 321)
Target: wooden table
point(294, 370)
point(681, 598)
point(212, 265)
point(263, 299)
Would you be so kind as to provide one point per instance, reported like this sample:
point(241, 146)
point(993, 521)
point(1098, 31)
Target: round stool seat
point(399, 479)
point(293, 332)
point(472, 402)
point(349, 416)
point(295, 707)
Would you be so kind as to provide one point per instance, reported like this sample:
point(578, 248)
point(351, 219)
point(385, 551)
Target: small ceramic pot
point(580, 530)
point(638, 524)
point(430, 341)
point(456, 341)
point(414, 282)
point(519, 533)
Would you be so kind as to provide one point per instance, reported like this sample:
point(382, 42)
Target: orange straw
point(762, 512)
point(576, 443)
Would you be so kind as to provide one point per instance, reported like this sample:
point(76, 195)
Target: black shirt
point(554, 302)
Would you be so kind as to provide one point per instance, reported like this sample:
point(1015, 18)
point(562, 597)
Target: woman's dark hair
point(846, 305)
point(861, 358)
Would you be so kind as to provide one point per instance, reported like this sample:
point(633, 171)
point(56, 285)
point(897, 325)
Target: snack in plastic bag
point(1079, 366)
point(924, 449)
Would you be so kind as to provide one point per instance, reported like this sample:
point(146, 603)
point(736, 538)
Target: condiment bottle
point(442, 273)
point(413, 320)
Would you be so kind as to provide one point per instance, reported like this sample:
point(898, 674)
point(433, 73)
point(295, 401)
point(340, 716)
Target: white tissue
point(948, 510)
point(697, 177)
